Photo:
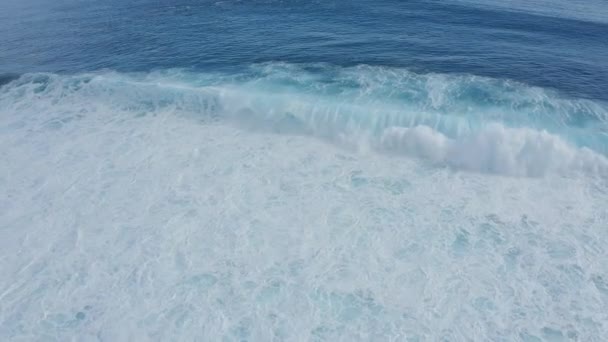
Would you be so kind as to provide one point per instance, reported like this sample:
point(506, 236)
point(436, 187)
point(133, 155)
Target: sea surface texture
point(360, 170)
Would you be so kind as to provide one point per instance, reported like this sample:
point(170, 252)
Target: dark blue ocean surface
point(303, 170)
point(536, 43)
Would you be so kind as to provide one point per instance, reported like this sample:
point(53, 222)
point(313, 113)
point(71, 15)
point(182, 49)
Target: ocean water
point(303, 170)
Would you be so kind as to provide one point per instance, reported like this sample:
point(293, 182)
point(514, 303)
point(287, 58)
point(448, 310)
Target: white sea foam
point(496, 149)
point(154, 207)
point(464, 122)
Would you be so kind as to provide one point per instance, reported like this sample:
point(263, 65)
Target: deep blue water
point(303, 170)
point(538, 45)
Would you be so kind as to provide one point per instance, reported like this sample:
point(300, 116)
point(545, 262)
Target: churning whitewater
point(465, 122)
point(300, 202)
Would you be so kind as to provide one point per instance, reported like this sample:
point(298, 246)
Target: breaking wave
point(459, 121)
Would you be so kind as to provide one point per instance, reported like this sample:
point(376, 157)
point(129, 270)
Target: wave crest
point(460, 121)
point(496, 149)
